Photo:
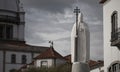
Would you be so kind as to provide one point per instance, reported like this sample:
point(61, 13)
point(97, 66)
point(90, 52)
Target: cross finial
point(51, 43)
point(76, 10)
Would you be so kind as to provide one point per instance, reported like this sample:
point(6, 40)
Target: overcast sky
point(53, 20)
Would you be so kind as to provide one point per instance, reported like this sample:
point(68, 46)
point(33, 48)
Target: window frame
point(114, 26)
point(13, 58)
point(24, 59)
point(42, 65)
point(6, 31)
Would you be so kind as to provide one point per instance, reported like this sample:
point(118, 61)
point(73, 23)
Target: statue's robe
point(83, 41)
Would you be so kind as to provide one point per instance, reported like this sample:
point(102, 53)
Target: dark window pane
point(24, 59)
point(13, 58)
point(9, 32)
point(114, 22)
point(44, 64)
point(1, 31)
point(114, 26)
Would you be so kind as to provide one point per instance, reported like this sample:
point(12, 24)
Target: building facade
point(111, 26)
point(14, 52)
point(49, 58)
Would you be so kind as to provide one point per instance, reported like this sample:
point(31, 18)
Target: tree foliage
point(61, 68)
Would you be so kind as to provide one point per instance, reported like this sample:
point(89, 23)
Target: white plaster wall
point(60, 61)
point(111, 53)
point(21, 31)
point(18, 64)
point(95, 70)
point(38, 62)
point(12, 66)
point(15, 32)
point(18, 56)
point(1, 61)
point(22, 17)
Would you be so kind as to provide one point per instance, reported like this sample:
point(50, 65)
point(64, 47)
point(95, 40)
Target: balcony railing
point(115, 38)
point(6, 18)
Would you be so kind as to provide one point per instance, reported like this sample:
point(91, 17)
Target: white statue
point(80, 43)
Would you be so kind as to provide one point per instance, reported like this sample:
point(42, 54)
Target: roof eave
point(102, 1)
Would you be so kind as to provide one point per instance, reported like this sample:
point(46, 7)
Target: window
point(114, 26)
point(6, 31)
point(1, 31)
point(114, 67)
point(9, 31)
point(13, 58)
point(24, 59)
point(44, 64)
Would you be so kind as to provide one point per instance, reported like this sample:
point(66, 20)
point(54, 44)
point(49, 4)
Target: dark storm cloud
point(49, 5)
point(53, 20)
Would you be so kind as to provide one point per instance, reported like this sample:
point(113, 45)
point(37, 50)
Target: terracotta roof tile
point(102, 1)
point(49, 53)
point(95, 64)
point(92, 64)
point(68, 58)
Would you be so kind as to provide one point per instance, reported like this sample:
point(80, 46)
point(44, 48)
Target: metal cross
point(77, 11)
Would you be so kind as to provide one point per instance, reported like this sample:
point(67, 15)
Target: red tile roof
point(92, 64)
point(68, 58)
point(102, 1)
point(49, 53)
point(95, 64)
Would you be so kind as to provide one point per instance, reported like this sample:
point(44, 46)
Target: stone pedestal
point(80, 67)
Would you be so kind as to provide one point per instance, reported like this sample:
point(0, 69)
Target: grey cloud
point(49, 5)
point(46, 18)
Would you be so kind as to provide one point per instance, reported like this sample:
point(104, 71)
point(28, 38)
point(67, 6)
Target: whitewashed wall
point(1, 61)
point(18, 56)
point(111, 53)
point(60, 61)
point(12, 66)
point(18, 64)
point(21, 32)
point(50, 62)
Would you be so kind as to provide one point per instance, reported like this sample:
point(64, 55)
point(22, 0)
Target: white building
point(111, 26)
point(14, 53)
point(49, 58)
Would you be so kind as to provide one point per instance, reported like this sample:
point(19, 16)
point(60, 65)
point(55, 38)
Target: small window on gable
point(13, 58)
point(24, 59)
point(44, 64)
